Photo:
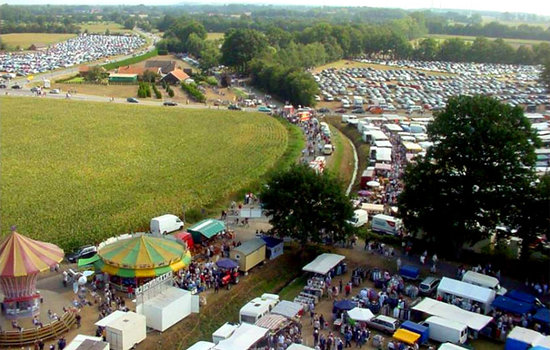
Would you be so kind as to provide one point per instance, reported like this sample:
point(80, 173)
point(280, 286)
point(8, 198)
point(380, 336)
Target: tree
point(95, 74)
point(210, 55)
point(130, 23)
point(480, 165)
point(545, 75)
point(242, 45)
point(307, 206)
point(149, 76)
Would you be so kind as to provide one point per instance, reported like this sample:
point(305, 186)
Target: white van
point(257, 308)
point(360, 218)
point(166, 223)
point(443, 330)
point(482, 280)
point(386, 224)
point(327, 149)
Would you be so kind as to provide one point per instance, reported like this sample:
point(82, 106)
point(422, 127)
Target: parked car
point(384, 323)
point(429, 285)
point(132, 100)
point(234, 108)
point(84, 252)
point(16, 87)
point(264, 109)
point(3, 86)
point(358, 111)
point(324, 110)
point(55, 91)
point(169, 103)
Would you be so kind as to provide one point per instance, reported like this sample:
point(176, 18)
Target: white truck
point(386, 224)
point(165, 224)
point(482, 280)
point(444, 330)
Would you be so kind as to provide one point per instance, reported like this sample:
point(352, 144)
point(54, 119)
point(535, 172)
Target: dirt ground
point(119, 91)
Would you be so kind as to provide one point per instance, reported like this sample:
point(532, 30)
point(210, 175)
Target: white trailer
point(444, 330)
point(166, 223)
point(124, 329)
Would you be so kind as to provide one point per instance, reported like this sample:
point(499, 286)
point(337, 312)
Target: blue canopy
point(512, 305)
point(417, 328)
point(345, 304)
point(542, 315)
point(409, 271)
point(225, 263)
point(521, 296)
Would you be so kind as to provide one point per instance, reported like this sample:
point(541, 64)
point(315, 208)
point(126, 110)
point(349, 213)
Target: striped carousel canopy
point(142, 256)
point(22, 256)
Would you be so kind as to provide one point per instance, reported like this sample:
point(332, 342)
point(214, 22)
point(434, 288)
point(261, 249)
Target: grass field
point(340, 64)
point(514, 42)
point(79, 172)
point(24, 40)
point(101, 27)
point(214, 36)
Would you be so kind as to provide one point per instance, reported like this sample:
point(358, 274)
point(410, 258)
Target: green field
point(101, 27)
point(24, 40)
point(78, 172)
point(514, 42)
point(214, 36)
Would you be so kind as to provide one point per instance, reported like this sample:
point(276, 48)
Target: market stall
point(243, 338)
point(324, 263)
point(206, 229)
point(406, 336)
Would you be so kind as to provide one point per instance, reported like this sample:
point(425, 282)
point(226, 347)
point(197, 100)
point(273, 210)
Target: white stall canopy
point(360, 314)
point(202, 345)
point(433, 307)
point(323, 263)
point(466, 290)
point(243, 338)
point(287, 308)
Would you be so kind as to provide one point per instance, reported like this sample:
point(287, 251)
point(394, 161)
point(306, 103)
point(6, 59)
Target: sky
point(540, 7)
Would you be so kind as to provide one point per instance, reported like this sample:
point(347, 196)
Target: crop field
point(214, 36)
point(101, 27)
point(78, 172)
point(514, 42)
point(24, 40)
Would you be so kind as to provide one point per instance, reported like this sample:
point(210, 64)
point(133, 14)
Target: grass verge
point(131, 60)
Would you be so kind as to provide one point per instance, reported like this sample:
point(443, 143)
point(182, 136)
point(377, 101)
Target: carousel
point(21, 260)
point(136, 259)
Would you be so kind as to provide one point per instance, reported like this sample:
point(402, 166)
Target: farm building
point(176, 76)
point(83, 70)
point(122, 78)
point(274, 246)
point(249, 254)
point(206, 229)
point(135, 70)
point(165, 66)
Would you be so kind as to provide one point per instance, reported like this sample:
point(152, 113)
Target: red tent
point(185, 237)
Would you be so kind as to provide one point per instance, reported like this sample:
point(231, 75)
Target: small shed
point(206, 229)
point(176, 76)
point(124, 329)
point(274, 246)
point(122, 78)
point(249, 254)
point(167, 308)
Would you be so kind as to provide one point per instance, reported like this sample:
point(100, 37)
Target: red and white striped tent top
point(22, 256)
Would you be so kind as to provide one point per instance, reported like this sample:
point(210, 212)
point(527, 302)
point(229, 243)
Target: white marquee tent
point(484, 296)
point(323, 263)
point(243, 338)
point(360, 314)
point(433, 307)
point(287, 308)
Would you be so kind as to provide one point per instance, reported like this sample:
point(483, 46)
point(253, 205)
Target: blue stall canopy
point(409, 272)
point(419, 329)
point(345, 304)
point(521, 296)
point(543, 315)
point(512, 305)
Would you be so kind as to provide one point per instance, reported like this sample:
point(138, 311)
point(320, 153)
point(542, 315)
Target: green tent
point(206, 228)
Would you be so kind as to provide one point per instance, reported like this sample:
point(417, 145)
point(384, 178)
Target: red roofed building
point(175, 77)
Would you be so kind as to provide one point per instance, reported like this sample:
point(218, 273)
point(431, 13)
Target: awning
point(511, 305)
point(287, 308)
point(406, 336)
point(360, 314)
point(243, 338)
point(543, 315)
point(272, 322)
point(88, 261)
point(433, 307)
point(208, 228)
point(323, 263)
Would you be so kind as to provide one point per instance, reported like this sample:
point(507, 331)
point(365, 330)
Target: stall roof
point(525, 335)
point(383, 154)
point(250, 246)
point(202, 345)
point(393, 127)
point(243, 338)
point(225, 331)
point(450, 346)
point(323, 263)
point(287, 308)
point(110, 318)
point(382, 143)
point(411, 146)
point(80, 339)
point(272, 322)
point(272, 241)
point(521, 296)
point(433, 307)
point(208, 228)
point(382, 166)
point(511, 305)
point(360, 314)
point(406, 336)
point(542, 315)
point(466, 290)
point(298, 347)
point(543, 342)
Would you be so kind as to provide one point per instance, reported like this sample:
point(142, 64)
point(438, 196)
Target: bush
point(170, 92)
point(193, 91)
point(144, 90)
point(162, 52)
point(157, 92)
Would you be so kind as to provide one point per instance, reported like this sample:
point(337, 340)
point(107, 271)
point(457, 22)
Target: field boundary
point(131, 60)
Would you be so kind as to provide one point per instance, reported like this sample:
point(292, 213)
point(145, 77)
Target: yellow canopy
point(406, 336)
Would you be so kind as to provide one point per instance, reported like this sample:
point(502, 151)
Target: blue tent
point(512, 305)
point(228, 264)
point(543, 316)
point(419, 329)
point(345, 305)
point(409, 272)
point(521, 296)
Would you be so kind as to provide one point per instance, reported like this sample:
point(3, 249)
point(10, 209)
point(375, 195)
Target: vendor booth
point(453, 290)
point(21, 261)
point(124, 329)
point(167, 308)
point(288, 309)
point(243, 338)
point(358, 314)
point(185, 237)
point(274, 246)
point(298, 347)
point(542, 316)
point(406, 336)
point(249, 254)
point(272, 322)
point(512, 306)
point(206, 229)
point(522, 338)
point(324, 263)
point(450, 346)
point(423, 331)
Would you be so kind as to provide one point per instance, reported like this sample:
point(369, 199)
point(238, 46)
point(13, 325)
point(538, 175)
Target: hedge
point(192, 90)
point(131, 60)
